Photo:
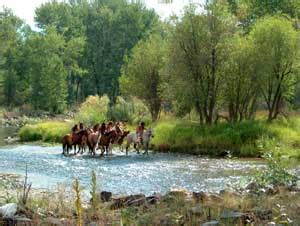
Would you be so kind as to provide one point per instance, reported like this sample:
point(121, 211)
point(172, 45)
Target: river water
point(123, 174)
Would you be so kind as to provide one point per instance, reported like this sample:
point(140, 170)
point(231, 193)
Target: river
point(122, 174)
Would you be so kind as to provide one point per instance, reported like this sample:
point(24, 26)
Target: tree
point(240, 88)
point(199, 46)
point(47, 71)
point(13, 33)
point(113, 28)
point(110, 28)
point(276, 53)
point(141, 73)
point(260, 8)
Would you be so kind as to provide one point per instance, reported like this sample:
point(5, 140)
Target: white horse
point(133, 138)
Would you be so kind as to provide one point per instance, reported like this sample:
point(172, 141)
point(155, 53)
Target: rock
point(17, 221)
point(271, 223)
point(9, 210)
point(53, 221)
point(200, 196)
point(197, 211)
point(227, 214)
point(211, 223)
point(153, 199)
point(215, 198)
point(263, 214)
point(179, 192)
point(131, 200)
point(105, 196)
point(136, 202)
point(253, 186)
point(270, 190)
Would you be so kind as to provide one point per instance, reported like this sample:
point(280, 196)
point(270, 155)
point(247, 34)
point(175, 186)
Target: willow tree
point(199, 45)
point(277, 57)
point(141, 73)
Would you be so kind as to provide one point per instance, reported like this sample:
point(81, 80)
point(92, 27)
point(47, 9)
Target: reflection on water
point(6, 132)
point(126, 174)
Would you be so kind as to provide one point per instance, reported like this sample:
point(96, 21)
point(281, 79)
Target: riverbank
point(243, 139)
point(259, 206)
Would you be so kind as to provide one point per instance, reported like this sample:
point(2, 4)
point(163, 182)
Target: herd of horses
point(94, 139)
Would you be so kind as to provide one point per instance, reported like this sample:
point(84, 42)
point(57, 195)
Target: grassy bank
point(245, 139)
point(48, 131)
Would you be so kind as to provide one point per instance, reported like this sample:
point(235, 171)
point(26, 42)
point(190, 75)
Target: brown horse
point(106, 140)
point(71, 140)
point(67, 143)
point(92, 141)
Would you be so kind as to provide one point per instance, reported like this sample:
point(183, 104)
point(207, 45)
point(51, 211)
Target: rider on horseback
point(140, 132)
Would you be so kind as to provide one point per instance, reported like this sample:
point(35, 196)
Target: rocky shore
point(251, 205)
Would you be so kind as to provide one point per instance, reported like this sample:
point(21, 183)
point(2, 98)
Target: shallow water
point(126, 174)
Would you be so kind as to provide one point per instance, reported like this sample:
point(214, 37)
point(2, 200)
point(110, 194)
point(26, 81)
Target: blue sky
point(25, 8)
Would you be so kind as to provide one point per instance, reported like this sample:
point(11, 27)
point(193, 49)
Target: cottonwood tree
point(276, 52)
point(141, 73)
point(199, 45)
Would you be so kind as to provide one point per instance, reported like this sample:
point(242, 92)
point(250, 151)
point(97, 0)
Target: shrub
point(131, 110)
point(275, 174)
point(93, 110)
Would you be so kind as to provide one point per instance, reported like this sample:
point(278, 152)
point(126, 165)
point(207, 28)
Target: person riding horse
point(140, 132)
point(109, 127)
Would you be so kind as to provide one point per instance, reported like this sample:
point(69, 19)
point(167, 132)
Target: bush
point(51, 131)
point(93, 110)
point(131, 110)
point(275, 174)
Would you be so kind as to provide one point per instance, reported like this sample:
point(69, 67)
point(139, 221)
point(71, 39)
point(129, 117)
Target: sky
point(25, 8)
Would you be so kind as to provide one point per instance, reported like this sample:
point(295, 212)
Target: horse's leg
point(136, 147)
point(146, 149)
point(102, 150)
point(79, 149)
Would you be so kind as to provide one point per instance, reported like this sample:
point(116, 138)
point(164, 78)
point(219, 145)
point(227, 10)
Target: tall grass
point(186, 136)
point(49, 131)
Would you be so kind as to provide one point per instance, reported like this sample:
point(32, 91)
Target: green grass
point(216, 140)
point(49, 131)
point(244, 139)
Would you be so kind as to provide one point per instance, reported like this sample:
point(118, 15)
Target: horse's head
point(149, 133)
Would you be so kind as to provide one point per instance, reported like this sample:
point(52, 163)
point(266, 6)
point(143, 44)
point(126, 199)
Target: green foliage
point(275, 61)
point(260, 8)
point(78, 52)
point(131, 110)
point(183, 136)
point(113, 28)
point(51, 131)
point(275, 174)
point(141, 73)
point(240, 89)
point(93, 110)
point(198, 48)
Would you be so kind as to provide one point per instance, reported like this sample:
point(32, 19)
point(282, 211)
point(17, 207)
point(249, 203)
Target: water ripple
point(126, 174)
